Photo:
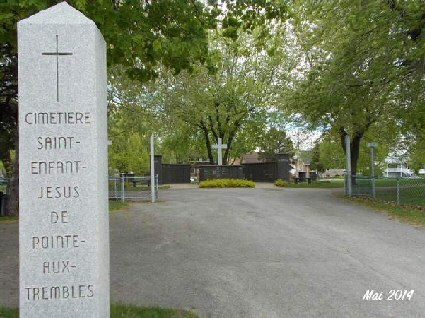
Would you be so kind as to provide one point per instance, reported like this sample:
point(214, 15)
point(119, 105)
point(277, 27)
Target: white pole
point(398, 191)
point(152, 169)
point(122, 188)
point(372, 159)
point(348, 164)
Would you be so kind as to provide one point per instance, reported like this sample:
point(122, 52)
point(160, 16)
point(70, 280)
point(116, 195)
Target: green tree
point(331, 154)
point(224, 103)
point(416, 152)
point(328, 153)
point(274, 141)
point(8, 103)
point(130, 154)
point(130, 123)
point(360, 65)
point(140, 34)
point(316, 162)
point(133, 109)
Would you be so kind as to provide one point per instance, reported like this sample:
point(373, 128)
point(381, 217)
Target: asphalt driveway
point(256, 253)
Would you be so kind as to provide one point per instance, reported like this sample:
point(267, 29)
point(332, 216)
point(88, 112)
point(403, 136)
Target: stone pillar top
point(61, 13)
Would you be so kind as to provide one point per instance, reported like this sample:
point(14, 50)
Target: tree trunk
point(12, 204)
point(232, 136)
point(229, 144)
point(355, 154)
point(207, 142)
point(226, 156)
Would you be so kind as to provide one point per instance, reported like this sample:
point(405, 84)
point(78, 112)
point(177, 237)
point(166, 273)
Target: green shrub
point(280, 183)
point(227, 183)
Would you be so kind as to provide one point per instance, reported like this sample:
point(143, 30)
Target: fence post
point(398, 191)
point(122, 188)
point(157, 185)
point(115, 188)
point(372, 166)
point(153, 196)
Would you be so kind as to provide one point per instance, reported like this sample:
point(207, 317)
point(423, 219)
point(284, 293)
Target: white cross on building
point(219, 146)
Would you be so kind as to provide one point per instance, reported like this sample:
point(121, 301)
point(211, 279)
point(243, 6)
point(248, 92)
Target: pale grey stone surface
point(63, 166)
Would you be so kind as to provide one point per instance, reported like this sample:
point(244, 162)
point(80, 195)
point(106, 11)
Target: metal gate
point(132, 188)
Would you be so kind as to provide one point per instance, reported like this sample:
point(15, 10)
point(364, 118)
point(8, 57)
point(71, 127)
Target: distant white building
point(332, 173)
point(398, 172)
point(397, 166)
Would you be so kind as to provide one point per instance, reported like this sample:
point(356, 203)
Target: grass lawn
point(405, 213)
point(411, 191)
point(409, 196)
point(124, 311)
point(129, 311)
point(328, 183)
point(8, 220)
point(115, 205)
point(8, 312)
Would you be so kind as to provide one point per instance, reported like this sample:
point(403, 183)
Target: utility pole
point(153, 189)
point(372, 166)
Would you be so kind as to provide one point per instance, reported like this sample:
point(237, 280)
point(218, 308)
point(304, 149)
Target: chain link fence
point(403, 191)
point(126, 188)
point(4, 192)
point(120, 188)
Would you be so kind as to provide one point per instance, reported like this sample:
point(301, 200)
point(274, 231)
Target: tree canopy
point(362, 66)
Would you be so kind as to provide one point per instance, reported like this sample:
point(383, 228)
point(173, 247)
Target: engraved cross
point(57, 54)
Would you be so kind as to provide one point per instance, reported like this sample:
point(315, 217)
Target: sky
point(302, 139)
